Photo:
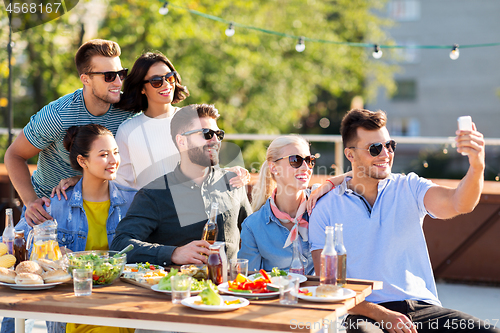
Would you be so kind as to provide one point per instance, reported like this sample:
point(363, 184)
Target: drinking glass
point(238, 266)
point(181, 287)
point(82, 281)
point(289, 289)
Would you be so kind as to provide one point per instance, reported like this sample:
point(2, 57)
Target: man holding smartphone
point(383, 215)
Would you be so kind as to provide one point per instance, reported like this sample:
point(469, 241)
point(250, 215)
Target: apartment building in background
point(434, 90)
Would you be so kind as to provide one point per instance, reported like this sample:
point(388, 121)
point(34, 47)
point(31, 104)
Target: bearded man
point(166, 219)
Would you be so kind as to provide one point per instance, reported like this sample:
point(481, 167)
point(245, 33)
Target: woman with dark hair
point(146, 147)
point(88, 218)
point(145, 143)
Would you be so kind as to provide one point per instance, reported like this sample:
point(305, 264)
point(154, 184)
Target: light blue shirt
point(72, 225)
point(384, 242)
point(262, 240)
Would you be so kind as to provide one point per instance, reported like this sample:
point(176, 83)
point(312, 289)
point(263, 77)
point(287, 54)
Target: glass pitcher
point(42, 240)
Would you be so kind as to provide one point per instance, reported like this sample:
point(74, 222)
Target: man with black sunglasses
point(383, 215)
point(166, 219)
point(98, 64)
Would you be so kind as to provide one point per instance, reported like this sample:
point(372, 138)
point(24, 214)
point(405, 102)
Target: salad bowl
point(106, 266)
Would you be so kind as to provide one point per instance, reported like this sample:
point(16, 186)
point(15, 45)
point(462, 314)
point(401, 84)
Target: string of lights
point(301, 40)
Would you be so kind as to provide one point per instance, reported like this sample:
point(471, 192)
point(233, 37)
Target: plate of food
point(229, 303)
point(276, 272)
point(29, 275)
point(30, 286)
point(144, 272)
point(325, 294)
point(260, 286)
point(210, 300)
point(197, 286)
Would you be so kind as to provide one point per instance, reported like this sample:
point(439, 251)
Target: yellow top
point(97, 239)
point(97, 215)
point(82, 328)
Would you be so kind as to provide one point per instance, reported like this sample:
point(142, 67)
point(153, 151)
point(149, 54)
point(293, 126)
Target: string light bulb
point(230, 30)
point(300, 47)
point(455, 53)
point(377, 52)
point(164, 9)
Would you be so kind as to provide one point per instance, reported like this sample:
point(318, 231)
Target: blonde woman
point(279, 202)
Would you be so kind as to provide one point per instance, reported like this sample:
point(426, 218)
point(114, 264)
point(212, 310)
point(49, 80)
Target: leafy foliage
point(258, 81)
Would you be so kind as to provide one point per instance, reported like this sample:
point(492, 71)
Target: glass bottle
point(9, 235)
point(20, 247)
point(341, 256)
point(211, 228)
point(296, 266)
point(215, 265)
point(328, 270)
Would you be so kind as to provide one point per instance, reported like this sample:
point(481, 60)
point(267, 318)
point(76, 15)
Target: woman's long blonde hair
point(266, 183)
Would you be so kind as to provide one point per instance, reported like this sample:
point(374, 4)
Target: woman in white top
point(146, 147)
point(145, 144)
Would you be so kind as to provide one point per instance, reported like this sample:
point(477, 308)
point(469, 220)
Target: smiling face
point(364, 165)
point(288, 178)
point(103, 159)
point(107, 92)
point(200, 151)
point(162, 95)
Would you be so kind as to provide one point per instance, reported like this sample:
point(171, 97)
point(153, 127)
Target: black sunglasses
point(111, 76)
point(376, 148)
point(297, 160)
point(207, 133)
point(157, 81)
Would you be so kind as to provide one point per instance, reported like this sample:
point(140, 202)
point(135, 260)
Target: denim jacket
point(72, 228)
point(262, 240)
point(72, 225)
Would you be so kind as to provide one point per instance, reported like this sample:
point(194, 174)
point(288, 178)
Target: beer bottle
point(328, 270)
point(211, 228)
point(9, 233)
point(341, 256)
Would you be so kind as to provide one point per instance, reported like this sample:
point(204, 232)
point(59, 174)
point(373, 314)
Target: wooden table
point(127, 305)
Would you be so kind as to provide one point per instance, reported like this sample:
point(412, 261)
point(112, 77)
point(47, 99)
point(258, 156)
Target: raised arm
point(324, 188)
point(16, 158)
point(444, 202)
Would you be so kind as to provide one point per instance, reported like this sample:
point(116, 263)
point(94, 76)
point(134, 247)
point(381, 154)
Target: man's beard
point(199, 156)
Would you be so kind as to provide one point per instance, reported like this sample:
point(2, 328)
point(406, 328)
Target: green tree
point(257, 80)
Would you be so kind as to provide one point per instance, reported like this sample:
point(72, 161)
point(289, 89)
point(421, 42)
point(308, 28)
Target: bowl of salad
point(106, 266)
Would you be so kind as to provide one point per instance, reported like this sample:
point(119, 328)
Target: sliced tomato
point(260, 284)
point(265, 276)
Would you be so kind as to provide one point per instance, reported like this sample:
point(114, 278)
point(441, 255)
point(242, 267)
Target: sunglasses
point(157, 81)
point(207, 133)
point(111, 76)
point(376, 148)
point(297, 160)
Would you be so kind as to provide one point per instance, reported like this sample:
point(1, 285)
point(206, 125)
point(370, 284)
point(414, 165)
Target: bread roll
point(7, 275)
point(56, 275)
point(28, 278)
point(328, 290)
point(48, 265)
point(29, 267)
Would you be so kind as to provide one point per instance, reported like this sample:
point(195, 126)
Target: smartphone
point(465, 123)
